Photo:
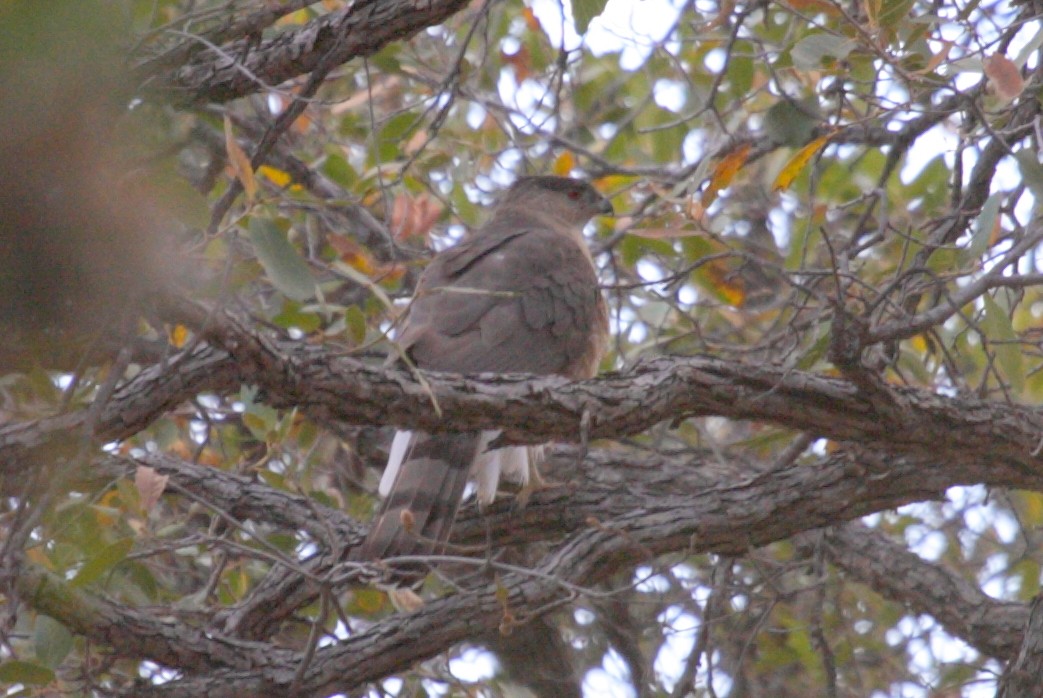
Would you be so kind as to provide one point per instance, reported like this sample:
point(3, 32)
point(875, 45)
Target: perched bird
point(519, 295)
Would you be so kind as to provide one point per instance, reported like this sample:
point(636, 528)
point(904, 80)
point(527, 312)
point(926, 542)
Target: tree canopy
point(812, 463)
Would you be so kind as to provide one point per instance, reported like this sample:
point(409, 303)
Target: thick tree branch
point(244, 498)
point(240, 68)
point(609, 533)
point(1022, 677)
point(993, 627)
point(330, 386)
point(138, 633)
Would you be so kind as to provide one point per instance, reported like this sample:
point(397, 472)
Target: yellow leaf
point(1032, 504)
point(565, 163)
point(178, 336)
point(798, 162)
point(275, 175)
point(295, 17)
point(613, 182)
point(240, 162)
point(725, 172)
point(369, 600)
point(918, 344)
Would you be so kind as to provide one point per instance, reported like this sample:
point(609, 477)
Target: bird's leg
point(534, 480)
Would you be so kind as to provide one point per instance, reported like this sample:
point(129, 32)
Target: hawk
point(519, 295)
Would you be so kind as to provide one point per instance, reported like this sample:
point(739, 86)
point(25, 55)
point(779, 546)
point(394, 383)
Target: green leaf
point(740, 73)
point(52, 641)
point(284, 265)
point(894, 12)
point(585, 10)
point(102, 562)
point(984, 225)
point(25, 672)
point(293, 316)
point(336, 167)
point(997, 324)
point(398, 127)
point(809, 52)
point(1031, 170)
point(355, 321)
point(791, 122)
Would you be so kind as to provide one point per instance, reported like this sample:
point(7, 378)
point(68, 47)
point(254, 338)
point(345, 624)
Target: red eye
point(574, 194)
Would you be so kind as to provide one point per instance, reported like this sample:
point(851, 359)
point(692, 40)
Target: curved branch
point(332, 386)
point(610, 531)
point(239, 68)
point(993, 627)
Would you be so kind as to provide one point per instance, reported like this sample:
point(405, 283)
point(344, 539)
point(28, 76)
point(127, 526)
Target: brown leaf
point(1004, 74)
point(150, 486)
point(725, 172)
point(520, 61)
point(662, 233)
point(413, 216)
point(240, 162)
point(405, 600)
point(936, 59)
point(353, 254)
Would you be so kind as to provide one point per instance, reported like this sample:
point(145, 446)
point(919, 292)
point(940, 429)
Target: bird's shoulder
point(508, 241)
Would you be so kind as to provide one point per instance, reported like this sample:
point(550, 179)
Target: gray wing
point(510, 300)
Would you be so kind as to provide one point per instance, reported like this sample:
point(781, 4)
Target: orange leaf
point(798, 162)
point(1004, 74)
point(520, 61)
point(352, 253)
point(725, 172)
point(936, 59)
point(723, 281)
point(240, 162)
point(564, 164)
point(532, 23)
point(178, 336)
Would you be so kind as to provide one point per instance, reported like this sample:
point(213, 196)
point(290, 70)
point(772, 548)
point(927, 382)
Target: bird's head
point(569, 200)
